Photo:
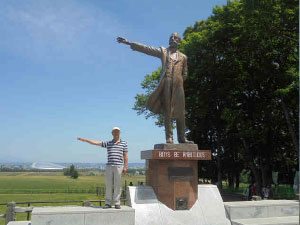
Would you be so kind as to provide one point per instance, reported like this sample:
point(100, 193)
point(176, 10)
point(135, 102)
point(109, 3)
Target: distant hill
point(9, 159)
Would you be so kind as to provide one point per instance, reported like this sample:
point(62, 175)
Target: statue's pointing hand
point(123, 40)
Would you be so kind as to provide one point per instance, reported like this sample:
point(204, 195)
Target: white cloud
point(57, 29)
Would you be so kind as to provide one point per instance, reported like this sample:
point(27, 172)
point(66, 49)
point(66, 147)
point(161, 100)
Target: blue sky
point(63, 75)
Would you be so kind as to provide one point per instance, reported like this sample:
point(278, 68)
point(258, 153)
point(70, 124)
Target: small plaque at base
point(181, 203)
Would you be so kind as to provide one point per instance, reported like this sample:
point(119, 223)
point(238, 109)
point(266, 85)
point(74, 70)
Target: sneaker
point(117, 206)
point(107, 206)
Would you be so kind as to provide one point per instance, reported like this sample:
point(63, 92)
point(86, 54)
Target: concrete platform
point(77, 215)
point(262, 209)
point(19, 223)
point(286, 220)
point(208, 209)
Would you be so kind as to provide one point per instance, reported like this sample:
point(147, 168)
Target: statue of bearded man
point(168, 98)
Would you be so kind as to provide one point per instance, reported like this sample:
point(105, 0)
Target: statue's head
point(174, 40)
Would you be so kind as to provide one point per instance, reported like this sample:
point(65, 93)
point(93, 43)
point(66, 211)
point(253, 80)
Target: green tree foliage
point(244, 60)
point(75, 174)
point(242, 88)
point(149, 84)
point(72, 169)
point(66, 171)
point(72, 172)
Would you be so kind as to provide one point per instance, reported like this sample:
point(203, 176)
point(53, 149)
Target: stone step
point(261, 209)
point(283, 220)
point(19, 223)
point(77, 215)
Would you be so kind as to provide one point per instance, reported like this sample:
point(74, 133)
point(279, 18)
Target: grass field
point(37, 183)
point(51, 186)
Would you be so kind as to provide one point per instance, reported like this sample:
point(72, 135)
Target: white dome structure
point(46, 166)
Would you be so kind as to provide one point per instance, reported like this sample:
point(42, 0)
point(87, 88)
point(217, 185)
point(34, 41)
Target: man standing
point(168, 98)
point(117, 154)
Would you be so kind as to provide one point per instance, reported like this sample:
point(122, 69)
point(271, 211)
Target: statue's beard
point(173, 44)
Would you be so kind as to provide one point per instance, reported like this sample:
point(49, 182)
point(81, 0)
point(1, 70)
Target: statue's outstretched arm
point(149, 50)
point(123, 41)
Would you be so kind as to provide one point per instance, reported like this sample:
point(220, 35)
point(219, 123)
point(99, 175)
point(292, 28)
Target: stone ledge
point(261, 209)
point(48, 210)
point(288, 220)
point(19, 223)
point(77, 215)
point(176, 147)
point(261, 203)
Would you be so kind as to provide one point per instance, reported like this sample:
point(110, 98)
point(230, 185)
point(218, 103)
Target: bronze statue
point(168, 98)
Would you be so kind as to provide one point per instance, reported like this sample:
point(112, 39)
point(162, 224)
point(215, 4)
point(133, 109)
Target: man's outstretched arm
point(149, 50)
point(92, 142)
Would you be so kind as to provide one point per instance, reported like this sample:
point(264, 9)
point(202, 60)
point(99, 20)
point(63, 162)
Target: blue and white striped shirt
point(115, 151)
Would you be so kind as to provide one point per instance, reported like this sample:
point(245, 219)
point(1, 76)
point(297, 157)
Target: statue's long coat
point(176, 71)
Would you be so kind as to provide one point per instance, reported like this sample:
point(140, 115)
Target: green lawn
point(36, 183)
point(52, 186)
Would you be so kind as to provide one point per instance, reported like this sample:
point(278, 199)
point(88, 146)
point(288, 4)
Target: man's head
point(116, 132)
point(174, 40)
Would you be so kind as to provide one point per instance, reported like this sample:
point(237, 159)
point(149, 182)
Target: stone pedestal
point(172, 172)
point(207, 210)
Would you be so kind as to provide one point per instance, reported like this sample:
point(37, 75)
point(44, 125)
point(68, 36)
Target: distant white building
point(46, 166)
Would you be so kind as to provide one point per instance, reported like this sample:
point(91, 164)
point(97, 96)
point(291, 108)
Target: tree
point(66, 171)
point(75, 174)
point(72, 172)
point(243, 58)
point(149, 84)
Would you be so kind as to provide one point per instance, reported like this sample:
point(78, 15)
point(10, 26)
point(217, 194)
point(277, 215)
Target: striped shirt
point(115, 151)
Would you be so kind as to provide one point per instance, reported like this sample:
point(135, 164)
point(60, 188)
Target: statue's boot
point(180, 123)
point(169, 130)
point(185, 141)
point(170, 141)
